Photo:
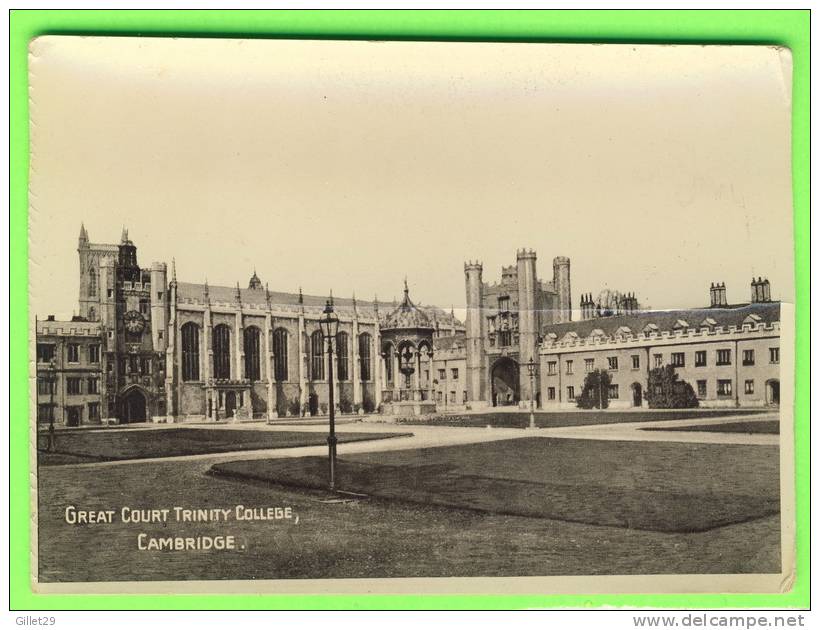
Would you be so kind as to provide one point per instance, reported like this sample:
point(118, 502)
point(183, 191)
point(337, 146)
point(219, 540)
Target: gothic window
point(222, 351)
point(92, 281)
point(190, 352)
point(280, 354)
point(317, 364)
point(342, 355)
point(252, 353)
point(364, 356)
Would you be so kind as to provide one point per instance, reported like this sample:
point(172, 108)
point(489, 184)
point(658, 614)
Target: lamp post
point(531, 365)
point(52, 379)
point(330, 326)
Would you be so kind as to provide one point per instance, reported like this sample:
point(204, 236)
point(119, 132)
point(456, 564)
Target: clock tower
point(135, 352)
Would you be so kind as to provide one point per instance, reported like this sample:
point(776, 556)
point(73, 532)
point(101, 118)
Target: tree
point(666, 390)
point(595, 394)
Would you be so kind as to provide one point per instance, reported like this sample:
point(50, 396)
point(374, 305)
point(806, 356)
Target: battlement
point(560, 260)
point(68, 328)
point(473, 265)
point(654, 337)
point(525, 254)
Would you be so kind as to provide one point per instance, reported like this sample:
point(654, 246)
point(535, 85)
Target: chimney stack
point(717, 295)
point(761, 290)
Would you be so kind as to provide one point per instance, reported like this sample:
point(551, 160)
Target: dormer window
point(649, 329)
point(708, 323)
point(753, 319)
point(681, 324)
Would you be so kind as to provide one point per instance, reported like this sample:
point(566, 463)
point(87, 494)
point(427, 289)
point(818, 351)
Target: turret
point(159, 306)
point(255, 283)
point(129, 269)
point(107, 290)
point(89, 289)
point(561, 282)
point(528, 316)
point(82, 242)
point(474, 334)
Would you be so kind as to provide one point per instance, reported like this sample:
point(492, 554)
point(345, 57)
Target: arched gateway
point(505, 384)
point(133, 406)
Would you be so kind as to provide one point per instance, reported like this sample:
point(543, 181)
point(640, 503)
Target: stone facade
point(149, 347)
point(729, 354)
point(505, 321)
point(70, 379)
point(174, 351)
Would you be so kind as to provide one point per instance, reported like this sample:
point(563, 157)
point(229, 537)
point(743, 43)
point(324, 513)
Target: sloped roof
point(192, 292)
point(665, 320)
point(407, 316)
point(448, 342)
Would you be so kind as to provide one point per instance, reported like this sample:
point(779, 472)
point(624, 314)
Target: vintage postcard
point(410, 317)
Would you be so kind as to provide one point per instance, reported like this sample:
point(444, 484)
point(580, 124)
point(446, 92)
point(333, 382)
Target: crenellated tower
point(474, 342)
point(561, 283)
point(528, 316)
point(159, 305)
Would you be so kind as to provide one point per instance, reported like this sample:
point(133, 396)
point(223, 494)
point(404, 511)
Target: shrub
point(666, 390)
point(293, 407)
point(595, 394)
point(323, 408)
point(368, 406)
point(345, 406)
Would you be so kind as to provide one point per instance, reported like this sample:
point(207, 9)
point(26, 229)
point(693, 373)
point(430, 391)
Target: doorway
point(73, 416)
point(230, 404)
point(133, 408)
point(773, 392)
point(637, 395)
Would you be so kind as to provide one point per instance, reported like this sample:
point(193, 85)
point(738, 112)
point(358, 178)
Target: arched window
point(342, 355)
point(92, 281)
point(190, 352)
point(222, 351)
point(280, 354)
point(364, 356)
point(317, 354)
point(388, 363)
point(252, 353)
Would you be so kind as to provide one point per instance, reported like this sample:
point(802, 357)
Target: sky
point(350, 165)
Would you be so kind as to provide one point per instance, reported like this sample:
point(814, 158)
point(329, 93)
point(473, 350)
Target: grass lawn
point(771, 427)
point(653, 486)
point(97, 446)
point(378, 538)
point(550, 419)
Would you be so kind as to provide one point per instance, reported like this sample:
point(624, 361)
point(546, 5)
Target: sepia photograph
point(410, 317)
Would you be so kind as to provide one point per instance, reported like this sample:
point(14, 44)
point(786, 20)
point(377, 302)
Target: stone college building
point(148, 347)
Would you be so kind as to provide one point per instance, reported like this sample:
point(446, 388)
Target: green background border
point(787, 28)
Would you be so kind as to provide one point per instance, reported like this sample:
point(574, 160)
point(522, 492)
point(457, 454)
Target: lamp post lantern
point(52, 379)
point(531, 365)
point(330, 326)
